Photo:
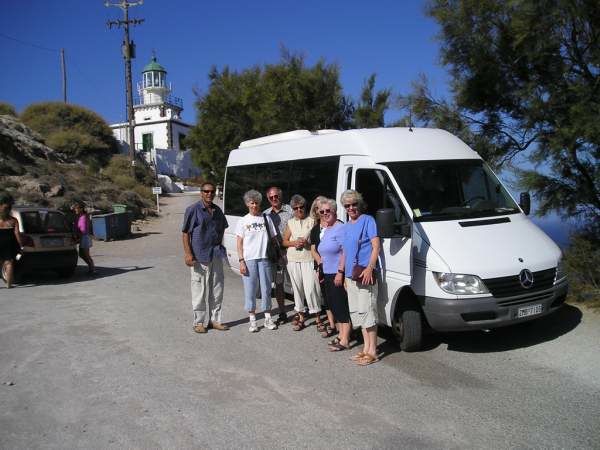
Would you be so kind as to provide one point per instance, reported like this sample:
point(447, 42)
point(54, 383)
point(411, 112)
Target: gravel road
point(111, 362)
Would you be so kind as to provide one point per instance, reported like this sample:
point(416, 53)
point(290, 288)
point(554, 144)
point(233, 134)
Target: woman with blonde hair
point(359, 263)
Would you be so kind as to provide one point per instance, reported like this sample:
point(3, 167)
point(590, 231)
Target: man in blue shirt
point(203, 227)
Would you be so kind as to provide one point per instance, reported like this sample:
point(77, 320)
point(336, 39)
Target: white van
point(458, 253)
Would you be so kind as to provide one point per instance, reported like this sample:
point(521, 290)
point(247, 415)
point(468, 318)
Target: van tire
point(408, 328)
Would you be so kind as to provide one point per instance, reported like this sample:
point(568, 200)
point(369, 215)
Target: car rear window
point(36, 222)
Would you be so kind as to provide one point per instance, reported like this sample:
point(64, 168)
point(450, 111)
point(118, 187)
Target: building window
point(182, 141)
point(147, 142)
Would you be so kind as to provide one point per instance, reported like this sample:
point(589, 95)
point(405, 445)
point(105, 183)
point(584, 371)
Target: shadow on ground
point(527, 334)
point(81, 275)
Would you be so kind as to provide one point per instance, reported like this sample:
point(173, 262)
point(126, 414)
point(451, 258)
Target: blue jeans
point(257, 269)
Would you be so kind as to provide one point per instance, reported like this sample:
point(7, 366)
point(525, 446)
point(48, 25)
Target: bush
point(582, 261)
point(7, 109)
point(80, 132)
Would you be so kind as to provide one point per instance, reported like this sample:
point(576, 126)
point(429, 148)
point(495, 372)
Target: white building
point(159, 130)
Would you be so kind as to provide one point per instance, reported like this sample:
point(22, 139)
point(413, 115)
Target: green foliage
point(119, 172)
point(78, 132)
point(526, 81)
point(370, 111)
point(265, 100)
point(7, 109)
point(582, 261)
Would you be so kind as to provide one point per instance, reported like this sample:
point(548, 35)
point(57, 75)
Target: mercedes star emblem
point(526, 278)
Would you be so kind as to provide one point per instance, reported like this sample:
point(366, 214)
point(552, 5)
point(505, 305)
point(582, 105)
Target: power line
point(30, 44)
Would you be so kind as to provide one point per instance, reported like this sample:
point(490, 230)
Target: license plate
point(531, 310)
point(53, 242)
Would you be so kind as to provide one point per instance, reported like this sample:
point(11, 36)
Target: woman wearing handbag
point(252, 242)
point(359, 262)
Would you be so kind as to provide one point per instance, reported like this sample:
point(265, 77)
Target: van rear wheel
point(408, 328)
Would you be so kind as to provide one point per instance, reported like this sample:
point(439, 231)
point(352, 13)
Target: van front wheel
point(408, 328)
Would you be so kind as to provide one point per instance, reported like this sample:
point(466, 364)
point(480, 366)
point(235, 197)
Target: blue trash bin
point(111, 226)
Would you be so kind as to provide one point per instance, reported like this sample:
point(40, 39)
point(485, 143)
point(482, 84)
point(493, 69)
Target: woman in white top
point(300, 263)
point(252, 239)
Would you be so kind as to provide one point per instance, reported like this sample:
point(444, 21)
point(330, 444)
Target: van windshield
point(451, 190)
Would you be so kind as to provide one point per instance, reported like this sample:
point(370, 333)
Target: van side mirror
point(387, 227)
point(525, 202)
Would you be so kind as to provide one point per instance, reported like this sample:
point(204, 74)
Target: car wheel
point(408, 328)
point(67, 272)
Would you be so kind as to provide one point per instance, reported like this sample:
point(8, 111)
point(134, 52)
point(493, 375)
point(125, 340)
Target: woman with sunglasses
point(361, 247)
point(300, 263)
point(330, 248)
point(315, 237)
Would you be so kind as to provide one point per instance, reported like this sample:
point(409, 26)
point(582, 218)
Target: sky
point(392, 38)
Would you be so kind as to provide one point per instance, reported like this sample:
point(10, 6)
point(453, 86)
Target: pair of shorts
point(85, 241)
point(337, 299)
point(362, 302)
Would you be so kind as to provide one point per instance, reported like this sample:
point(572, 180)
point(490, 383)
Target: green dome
point(154, 66)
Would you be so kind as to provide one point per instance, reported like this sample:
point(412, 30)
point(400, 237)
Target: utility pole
point(128, 50)
point(63, 67)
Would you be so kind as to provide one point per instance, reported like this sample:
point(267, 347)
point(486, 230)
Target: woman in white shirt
point(301, 264)
point(252, 239)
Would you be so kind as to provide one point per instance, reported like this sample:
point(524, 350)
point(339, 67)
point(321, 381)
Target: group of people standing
point(332, 266)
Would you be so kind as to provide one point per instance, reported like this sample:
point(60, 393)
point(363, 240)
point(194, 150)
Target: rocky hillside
point(38, 175)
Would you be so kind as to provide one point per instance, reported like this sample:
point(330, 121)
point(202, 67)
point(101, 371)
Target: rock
point(56, 191)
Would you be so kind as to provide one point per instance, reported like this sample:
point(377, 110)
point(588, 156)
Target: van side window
point(307, 177)
point(378, 192)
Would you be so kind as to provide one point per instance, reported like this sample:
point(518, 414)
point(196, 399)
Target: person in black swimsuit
point(10, 239)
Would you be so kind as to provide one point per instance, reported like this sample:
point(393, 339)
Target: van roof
point(381, 144)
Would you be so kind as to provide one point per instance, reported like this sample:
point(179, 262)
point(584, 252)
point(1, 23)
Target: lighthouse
point(159, 131)
point(157, 113)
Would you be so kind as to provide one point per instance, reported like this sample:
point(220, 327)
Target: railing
point(169, 100)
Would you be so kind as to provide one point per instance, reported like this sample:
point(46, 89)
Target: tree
point(525, 82)
point(370, 111)
point(260, 101)
point(73, 130)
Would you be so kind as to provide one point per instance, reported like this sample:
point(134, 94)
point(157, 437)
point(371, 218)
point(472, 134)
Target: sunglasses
point(208, 191)
point(324, 211)
point(273, 197)
point(351, 205)
point(298, 208)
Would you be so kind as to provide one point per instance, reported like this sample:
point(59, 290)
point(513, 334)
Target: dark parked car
point(48, 242)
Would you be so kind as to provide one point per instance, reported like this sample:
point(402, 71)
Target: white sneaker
point(253, 327)
point(269, 324)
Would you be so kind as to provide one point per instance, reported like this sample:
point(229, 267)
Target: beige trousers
point(307, 291)
point(207, 291)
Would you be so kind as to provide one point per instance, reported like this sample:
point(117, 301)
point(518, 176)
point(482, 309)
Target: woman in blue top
point(330, 251)
point(361, 247)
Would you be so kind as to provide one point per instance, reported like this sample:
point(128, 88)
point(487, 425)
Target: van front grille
point(511, 286)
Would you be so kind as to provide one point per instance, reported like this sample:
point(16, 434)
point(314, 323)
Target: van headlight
point(459, 284)
point(561, 271)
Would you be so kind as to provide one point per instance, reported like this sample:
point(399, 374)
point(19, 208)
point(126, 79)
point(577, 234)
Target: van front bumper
point(490, 312)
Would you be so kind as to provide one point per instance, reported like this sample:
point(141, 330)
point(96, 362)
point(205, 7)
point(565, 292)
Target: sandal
point(299, 325)
point(321, 327)
point(360, 355)
point(295, 319)
point(334, 341)
point(328, 332)
point(337, 347)
point(367, 359)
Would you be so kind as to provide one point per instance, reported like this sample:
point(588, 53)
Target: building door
point(147, 142)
